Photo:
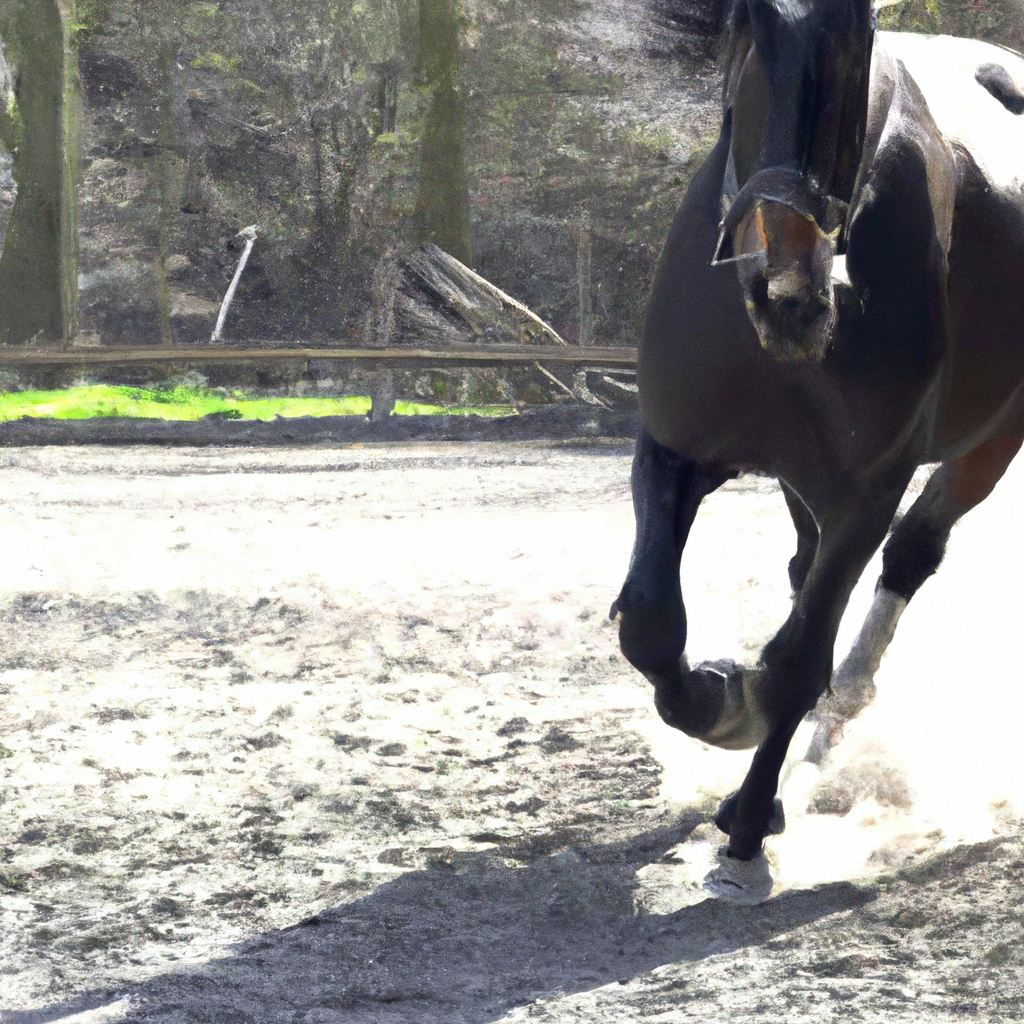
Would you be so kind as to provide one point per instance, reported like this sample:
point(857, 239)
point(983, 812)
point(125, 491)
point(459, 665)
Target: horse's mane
point(815, 53)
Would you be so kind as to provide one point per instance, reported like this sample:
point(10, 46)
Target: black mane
point(816, 58)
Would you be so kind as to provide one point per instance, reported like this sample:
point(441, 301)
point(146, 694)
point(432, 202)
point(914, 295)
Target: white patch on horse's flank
point(964, 111)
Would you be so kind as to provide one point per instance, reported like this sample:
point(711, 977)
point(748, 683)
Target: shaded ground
point(343, 735)
point(532, 424)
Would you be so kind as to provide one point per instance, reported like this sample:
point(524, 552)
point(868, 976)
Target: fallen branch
point(249, 234)
point(446, 302)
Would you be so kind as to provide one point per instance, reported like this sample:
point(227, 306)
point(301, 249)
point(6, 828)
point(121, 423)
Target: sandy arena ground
point(344, 736)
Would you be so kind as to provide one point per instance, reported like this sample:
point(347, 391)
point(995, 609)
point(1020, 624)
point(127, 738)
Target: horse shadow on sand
point(462, 942)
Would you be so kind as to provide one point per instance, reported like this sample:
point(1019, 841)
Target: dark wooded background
point(544, 143)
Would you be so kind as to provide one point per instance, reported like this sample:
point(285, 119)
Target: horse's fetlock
point(715, 702)
point(726, 813)
point(775, 823)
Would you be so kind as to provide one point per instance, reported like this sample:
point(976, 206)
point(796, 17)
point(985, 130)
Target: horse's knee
point(652, 633)
point(799, 566)
point(806, 538)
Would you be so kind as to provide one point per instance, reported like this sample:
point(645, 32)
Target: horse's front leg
point(795, 669)
point(707, 702)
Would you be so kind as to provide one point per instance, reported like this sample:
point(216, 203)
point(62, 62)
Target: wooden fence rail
point(606, 357)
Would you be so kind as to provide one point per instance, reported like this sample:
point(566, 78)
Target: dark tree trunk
point(39, 264)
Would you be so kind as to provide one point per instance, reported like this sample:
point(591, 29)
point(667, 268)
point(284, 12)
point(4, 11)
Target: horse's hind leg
point(910, 556)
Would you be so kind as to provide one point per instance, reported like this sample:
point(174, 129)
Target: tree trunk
point(583, 275)
point(169, 182)
point(444, 186)
point(39, 264)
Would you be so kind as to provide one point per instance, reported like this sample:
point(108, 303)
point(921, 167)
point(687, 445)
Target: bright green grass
point(193, 403)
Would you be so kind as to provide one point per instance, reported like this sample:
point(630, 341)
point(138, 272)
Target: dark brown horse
point(840, 300)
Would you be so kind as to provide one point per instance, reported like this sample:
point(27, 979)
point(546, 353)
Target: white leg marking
point(853, 683)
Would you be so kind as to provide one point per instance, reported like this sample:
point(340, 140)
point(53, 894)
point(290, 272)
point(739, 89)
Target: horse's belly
point(986, 304)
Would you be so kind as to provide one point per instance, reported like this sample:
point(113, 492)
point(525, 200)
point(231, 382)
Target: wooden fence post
point(584, 246)
point(377, 332)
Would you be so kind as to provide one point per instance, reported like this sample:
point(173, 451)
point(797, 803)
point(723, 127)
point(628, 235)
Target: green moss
point(996, 20)
point(91, 18)
point(16, 880)
point(422, 409)
point(217, 62)
point(194, 403)
point(643, 142)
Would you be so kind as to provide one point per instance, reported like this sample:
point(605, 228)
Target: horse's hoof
point(740, 724)
point(745, 882)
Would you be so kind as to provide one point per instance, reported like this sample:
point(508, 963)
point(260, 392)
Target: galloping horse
point(840, 300)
